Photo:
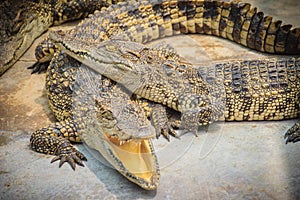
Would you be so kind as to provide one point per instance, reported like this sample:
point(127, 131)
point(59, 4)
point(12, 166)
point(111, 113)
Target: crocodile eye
point(134, 53)
point(149, 59)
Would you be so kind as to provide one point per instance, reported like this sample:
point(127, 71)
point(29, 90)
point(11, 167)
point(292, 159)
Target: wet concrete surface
point(239, 160)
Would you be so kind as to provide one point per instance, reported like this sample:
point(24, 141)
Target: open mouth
point(136, 160)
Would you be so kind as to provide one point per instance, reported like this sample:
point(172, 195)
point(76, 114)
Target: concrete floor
point(245, 160)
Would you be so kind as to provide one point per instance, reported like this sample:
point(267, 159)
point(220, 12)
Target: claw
point(80, 156)
point(293, 134)
point(165, 133)
point(78, 160)
point(297, 140)
point(70, 155)
point(292, 138)
point(84, 158)
point(167, 130)
point(63, 160)
point(196, 133)
point(173, 133)
point(56, 158)
point(38, 67)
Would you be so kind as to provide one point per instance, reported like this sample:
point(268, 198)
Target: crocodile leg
point(56, 140)
point(165, 121)
point(161, 122)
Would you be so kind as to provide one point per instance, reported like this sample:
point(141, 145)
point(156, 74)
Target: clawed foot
point(167, 129)
point(163, 125)
point(293, 134)
point(69, 154)
point(193, 118)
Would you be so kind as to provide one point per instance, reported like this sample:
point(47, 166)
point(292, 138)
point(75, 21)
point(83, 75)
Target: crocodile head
point(115, 126)
point(125, 62)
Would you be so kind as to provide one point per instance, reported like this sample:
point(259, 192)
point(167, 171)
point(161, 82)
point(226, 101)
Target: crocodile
point(88, 103)
point(261, 89)
point(22, 21)
point(145, 21)
point(149, 20)
point(241, 90)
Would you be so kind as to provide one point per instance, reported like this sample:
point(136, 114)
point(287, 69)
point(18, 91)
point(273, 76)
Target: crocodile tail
point(236, 21)
point(244, 24)
point(239, 22)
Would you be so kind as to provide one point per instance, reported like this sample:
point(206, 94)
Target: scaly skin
point(266, 89)
point(95, 109)
point(144, 21)
point(86, 105)
point(261, 89)
point(22, 21)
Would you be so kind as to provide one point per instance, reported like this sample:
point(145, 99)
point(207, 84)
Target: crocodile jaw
point(135, 158)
